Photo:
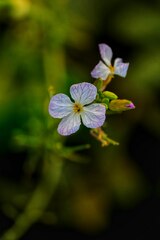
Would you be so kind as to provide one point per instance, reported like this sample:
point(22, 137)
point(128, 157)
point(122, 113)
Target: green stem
point(39, 200)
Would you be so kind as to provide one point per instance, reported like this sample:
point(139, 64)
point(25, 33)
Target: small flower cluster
point(91, 102)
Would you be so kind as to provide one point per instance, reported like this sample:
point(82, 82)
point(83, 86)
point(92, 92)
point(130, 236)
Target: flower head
point(72, 113)
point(104, 69)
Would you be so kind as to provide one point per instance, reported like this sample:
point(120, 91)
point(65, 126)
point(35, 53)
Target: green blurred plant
point(39, 34)
point(34, 42)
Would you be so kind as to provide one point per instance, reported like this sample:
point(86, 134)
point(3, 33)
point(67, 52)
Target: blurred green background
point(56, 186)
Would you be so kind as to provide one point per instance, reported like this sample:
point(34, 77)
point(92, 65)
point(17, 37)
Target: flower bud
point(121, 105)
point(106, 105)
point(110, 95)
point(105, 100)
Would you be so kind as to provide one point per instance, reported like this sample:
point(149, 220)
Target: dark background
point(103, 193)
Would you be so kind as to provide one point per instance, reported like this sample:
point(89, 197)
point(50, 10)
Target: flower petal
point(60, 106)
point(120, 67)
point(100, 71)
point(93, 115)
point(106, 53)
point(83, 93)
point(69, 124)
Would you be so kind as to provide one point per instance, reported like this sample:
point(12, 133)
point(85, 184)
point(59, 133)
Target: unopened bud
point(121, 105)
point(106, 105)
point(110, 95)
point(106, 101)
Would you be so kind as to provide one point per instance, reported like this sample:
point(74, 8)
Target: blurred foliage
point(45, 46)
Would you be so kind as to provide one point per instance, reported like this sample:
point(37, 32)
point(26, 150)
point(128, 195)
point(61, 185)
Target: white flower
point(92, 115)
point(104, 69)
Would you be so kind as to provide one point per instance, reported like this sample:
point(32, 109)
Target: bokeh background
point(57, 187)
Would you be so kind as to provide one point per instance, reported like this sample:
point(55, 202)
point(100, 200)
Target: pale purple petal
point(69, 124)
point(60, 106)
point(120, 67)
point(83, 93)
point(106, 53)
point(100, 71)
point(93, 115)
point(130, 106)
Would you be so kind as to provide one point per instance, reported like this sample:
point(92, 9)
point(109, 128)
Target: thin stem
point(102, 137)
point(106, 82)
point(39, 200)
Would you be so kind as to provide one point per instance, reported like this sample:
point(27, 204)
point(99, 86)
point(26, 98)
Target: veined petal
point(69, 124)
point(60, 106)
point(117, 61)
point(106, 53)
point(120, 67)
point(100, 71)
point(83, 93)
point(93, 115)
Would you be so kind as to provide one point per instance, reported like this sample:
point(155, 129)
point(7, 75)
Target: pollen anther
point(77, 108)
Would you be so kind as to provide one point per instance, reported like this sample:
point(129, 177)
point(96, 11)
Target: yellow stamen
point(77, 108)
point(111, 69)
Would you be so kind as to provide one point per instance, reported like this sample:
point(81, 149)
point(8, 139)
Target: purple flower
point(104, 69)
point(92, 115)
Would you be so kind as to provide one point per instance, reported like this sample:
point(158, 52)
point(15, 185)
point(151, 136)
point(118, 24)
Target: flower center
point(77, 108)
point(111, 69)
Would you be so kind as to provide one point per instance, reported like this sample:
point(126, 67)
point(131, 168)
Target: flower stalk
point(39, 200)
point(102, 137)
